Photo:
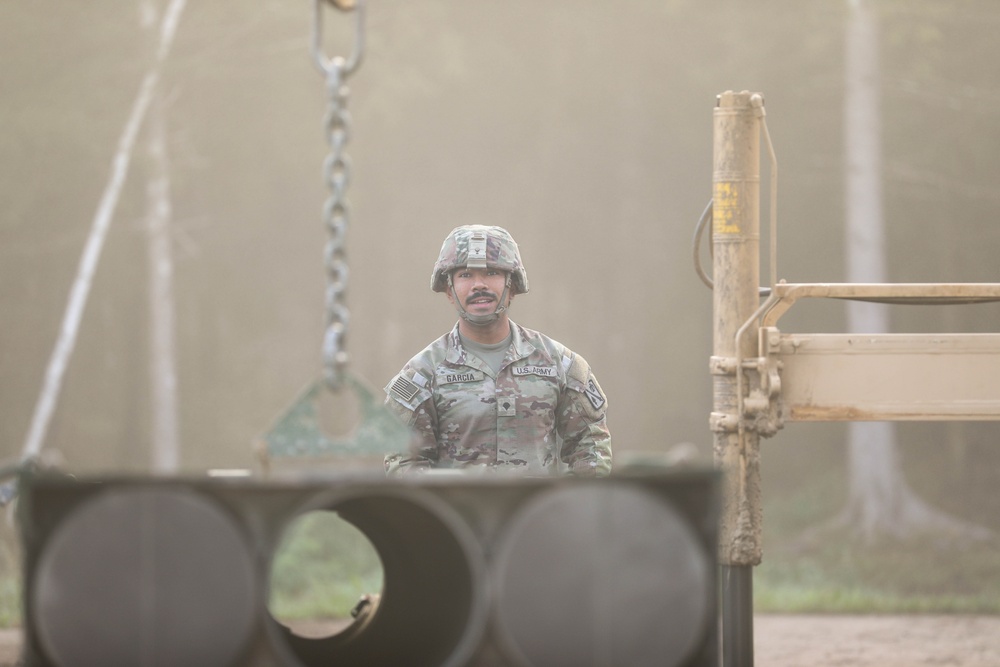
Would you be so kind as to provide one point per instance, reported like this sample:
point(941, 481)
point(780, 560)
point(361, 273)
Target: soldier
point(491, 393)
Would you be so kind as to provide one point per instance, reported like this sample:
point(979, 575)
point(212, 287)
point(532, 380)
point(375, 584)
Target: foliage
point(10, 580)
point(10, 601)
point(324, 565)
point(321, 569)
point(900, 578)
point(839, 575)
point(594, 120)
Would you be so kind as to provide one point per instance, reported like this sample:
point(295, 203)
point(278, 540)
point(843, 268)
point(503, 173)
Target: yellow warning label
point(725, 202)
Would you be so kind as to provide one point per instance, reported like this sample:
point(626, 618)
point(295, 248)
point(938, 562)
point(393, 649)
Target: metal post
point(737, 614)
point(736, 273)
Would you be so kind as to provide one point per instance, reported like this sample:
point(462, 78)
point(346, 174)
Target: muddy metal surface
point(830, 641)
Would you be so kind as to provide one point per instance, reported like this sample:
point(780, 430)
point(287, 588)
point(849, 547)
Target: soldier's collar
point(521, 347)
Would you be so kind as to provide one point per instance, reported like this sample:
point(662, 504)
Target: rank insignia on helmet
point(477, 251)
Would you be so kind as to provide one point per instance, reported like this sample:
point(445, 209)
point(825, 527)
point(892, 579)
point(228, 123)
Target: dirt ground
point(831, 641)
point(876, 641)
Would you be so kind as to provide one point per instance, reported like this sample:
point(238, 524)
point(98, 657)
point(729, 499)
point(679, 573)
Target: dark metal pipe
point(737, 615)
point(736, 241)
point(477, 571)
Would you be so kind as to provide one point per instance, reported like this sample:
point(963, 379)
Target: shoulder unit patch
point(594, 394)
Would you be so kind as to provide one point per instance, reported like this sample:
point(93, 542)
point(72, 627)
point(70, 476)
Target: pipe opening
point(432, 605)
point(326, 575)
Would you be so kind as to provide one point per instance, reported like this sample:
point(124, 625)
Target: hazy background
point(582, 127)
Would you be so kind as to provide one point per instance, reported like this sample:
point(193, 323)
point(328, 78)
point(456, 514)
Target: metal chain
point(336, 210)
point(357, 49)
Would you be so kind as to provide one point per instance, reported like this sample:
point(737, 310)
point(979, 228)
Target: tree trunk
point(162, 347)
point(880, 502)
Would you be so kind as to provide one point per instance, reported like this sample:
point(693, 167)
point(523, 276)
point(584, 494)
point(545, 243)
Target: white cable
point(95, 241)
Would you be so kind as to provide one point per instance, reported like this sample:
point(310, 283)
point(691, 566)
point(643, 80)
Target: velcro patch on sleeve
point(408, 392)
point(403, 388)
point(583, 381)
point(594, 394)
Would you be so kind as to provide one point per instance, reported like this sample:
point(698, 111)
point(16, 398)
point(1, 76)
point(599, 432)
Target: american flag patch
point(404, 388)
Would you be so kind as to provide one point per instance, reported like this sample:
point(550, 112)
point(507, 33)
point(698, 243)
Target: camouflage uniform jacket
point(543, 413)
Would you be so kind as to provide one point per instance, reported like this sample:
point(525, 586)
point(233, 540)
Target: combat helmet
point(480, 247)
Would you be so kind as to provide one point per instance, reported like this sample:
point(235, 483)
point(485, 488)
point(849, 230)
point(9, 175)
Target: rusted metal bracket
point(759, 384)
point(886, 377)
point(762, 410)
point(864, 377)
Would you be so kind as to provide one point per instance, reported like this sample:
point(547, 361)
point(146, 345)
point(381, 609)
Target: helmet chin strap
point(480, 320)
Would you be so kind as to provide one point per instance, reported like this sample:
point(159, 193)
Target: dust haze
point(583, 128)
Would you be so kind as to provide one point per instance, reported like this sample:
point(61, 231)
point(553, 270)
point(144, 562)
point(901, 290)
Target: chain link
point(336, 210)
point(353, 60)
point(300, 434)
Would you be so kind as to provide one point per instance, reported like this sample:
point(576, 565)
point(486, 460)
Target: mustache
point(479, 295)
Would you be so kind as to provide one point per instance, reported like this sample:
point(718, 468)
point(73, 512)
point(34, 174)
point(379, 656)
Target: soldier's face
point(478, 290)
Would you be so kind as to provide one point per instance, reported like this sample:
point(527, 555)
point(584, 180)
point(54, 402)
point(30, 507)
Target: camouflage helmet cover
point(479, 247)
